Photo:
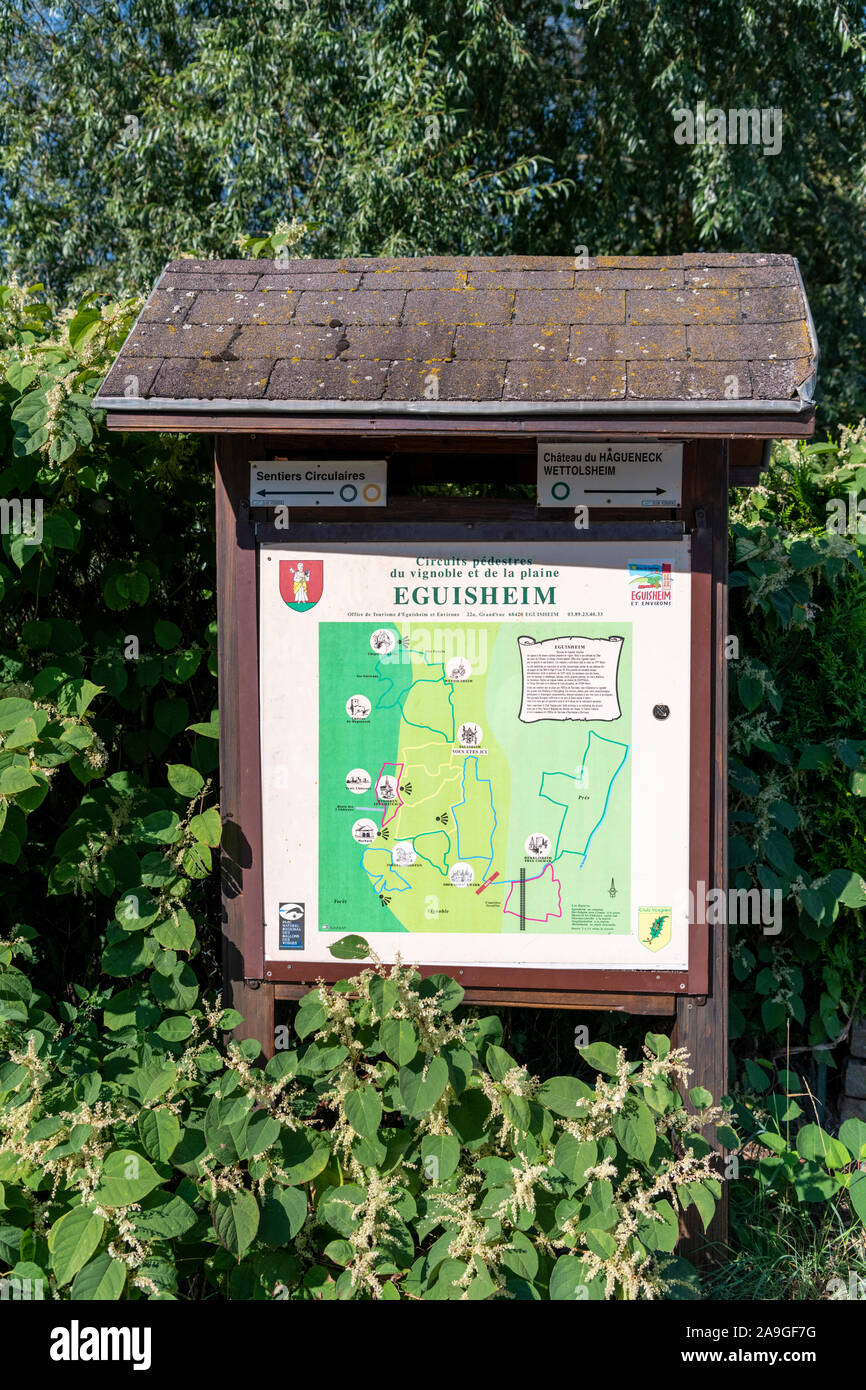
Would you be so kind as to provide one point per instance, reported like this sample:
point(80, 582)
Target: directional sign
point(319, 483)
point(609, 475)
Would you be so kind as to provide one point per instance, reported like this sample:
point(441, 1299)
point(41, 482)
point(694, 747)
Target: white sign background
point(594, 583)
point(319, 483)
point(609, 475)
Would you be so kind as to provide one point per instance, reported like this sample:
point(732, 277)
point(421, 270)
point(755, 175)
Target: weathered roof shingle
point(696, 327)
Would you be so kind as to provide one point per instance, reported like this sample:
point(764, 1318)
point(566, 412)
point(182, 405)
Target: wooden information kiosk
point(472, 522)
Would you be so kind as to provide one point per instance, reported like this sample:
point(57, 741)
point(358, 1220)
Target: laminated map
point(459, 750)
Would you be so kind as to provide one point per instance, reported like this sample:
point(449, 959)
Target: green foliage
point(798, 743)
point(370, 128)
point(801, 1162)
point(107, 666)
point(406, 127)
point(135, 1165)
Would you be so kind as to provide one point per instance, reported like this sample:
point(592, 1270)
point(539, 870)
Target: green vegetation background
point(393, 129)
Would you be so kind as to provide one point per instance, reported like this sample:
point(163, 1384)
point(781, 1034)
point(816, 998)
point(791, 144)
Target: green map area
point(441, 810)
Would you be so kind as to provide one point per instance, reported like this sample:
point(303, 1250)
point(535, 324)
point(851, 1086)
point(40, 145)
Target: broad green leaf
point(178, 933)
point(440, 1154)
point(399, 1039)
point(601, 1056)
point(758, 1077)
point(341, 1252)
point(13, 710)
point(23, 735)
point(76, 696)
point(369, 1151)
point(126, 1178)
point(14, 780)
point(235, 1216)
point(136, 910)
point(207, 827)
point(522, 1257)
point(100, 1281)
point(159, 828)
point(469, 1116)
point(311, 1015)
point(178, 991)
point(364, 1110)
point(284, 1211)
point(517, 1111)
point(601, 1243)
point(853, 1136)
point(72, 1240)
point(128, 1007)
point(350, 948)
point(383, 995)
point(185, 780)
point(261, 1132)
point(338, 1207)
point(703, 1200)
point(78, 1137)
point(659, 1234)
point(812, 1142)
point(165, 1215)
point(450, 994)
point(750, 691)
point(167, 634)
point(854, 892)
point(573, 1156)
point(815, 1143)
point(857, 1195)
point(421, 1086)
point(160, 1133)
point(175, 1029)
point(569, 1282)
point(150, 1082)
point(305, 1154)
point(564, 1095)
point(209, 730)
point(635, 1129)
point(499, 1062)
point(128, 957)
point(812, 1182)
point(19, 375)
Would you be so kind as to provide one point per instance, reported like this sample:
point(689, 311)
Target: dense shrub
point(396, 1152)
point(798, 742)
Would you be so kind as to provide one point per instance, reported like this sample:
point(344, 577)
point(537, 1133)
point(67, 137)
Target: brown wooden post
point(702, 1025)
point(240, 805)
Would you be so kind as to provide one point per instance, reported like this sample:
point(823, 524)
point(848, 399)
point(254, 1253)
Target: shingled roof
point(517, 333)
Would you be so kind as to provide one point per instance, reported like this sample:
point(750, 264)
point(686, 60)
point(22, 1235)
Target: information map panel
point(486, 749)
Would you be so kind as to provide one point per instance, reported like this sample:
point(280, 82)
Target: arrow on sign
point(642, 490)
point(299, 492)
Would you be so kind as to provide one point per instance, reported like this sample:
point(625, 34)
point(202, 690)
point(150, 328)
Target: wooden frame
point(790, 425)
point(699, 1001)
point(238, 535)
